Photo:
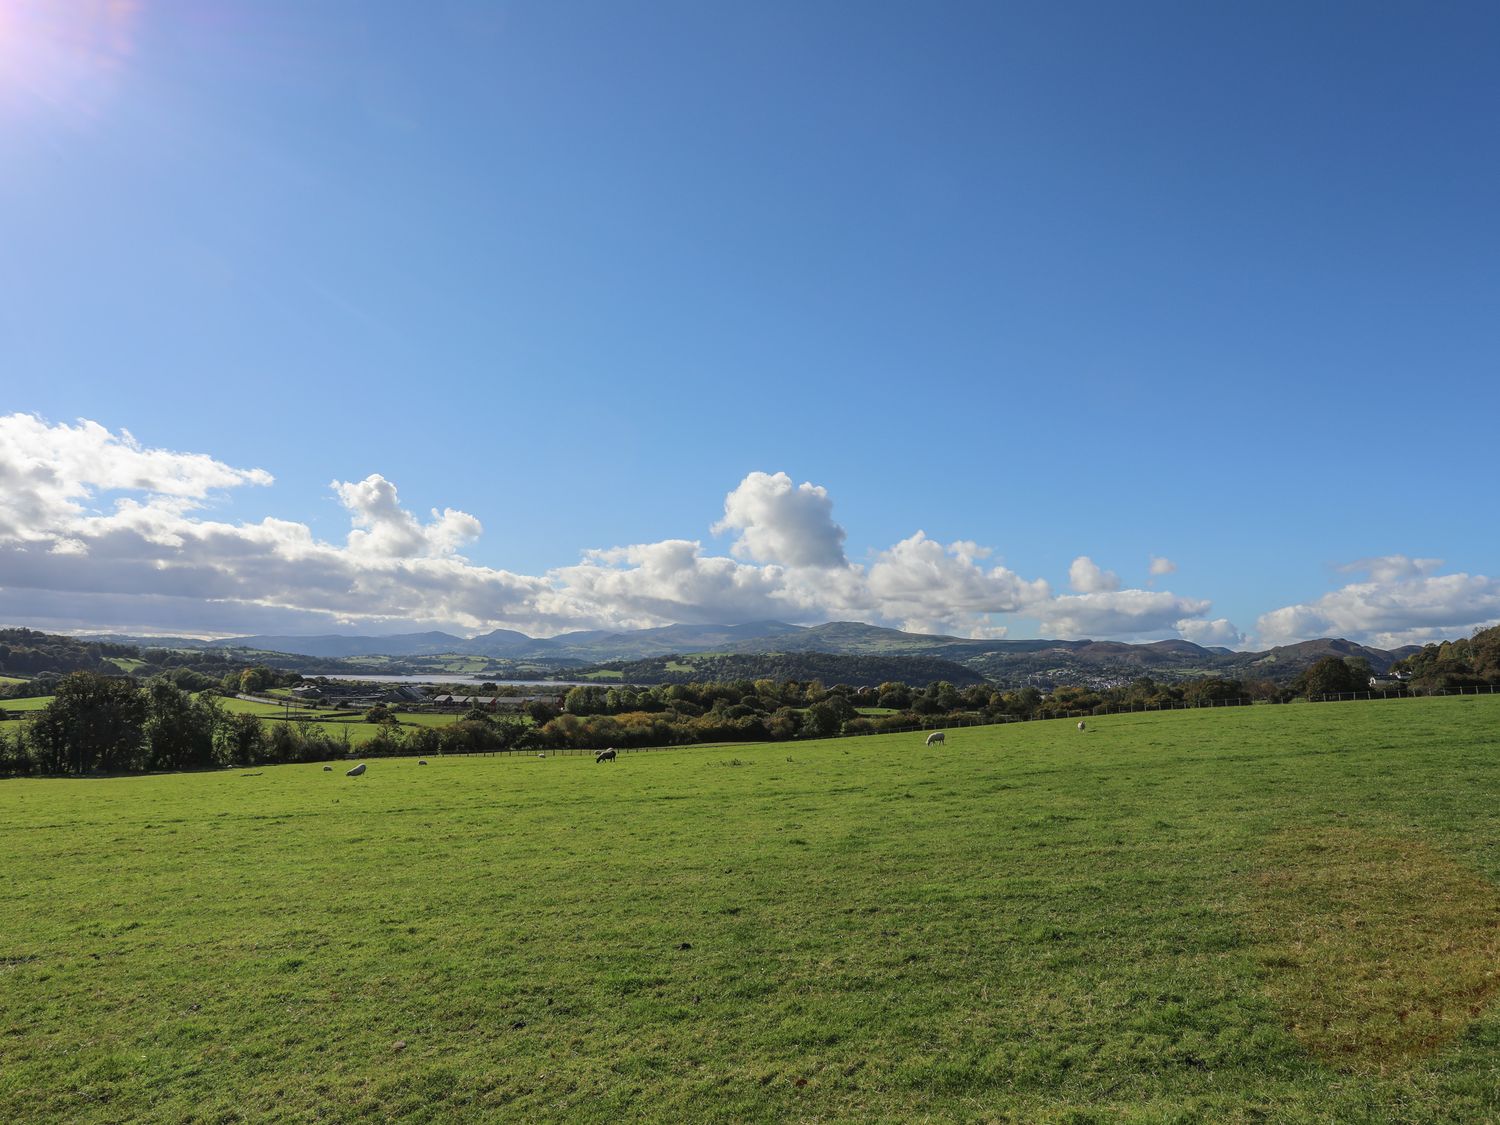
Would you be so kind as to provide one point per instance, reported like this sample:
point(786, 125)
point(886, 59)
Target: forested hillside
point(856, 671)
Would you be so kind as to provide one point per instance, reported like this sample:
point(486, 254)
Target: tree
point(583, 701)
point(257, 679)
point(179, 729)
point(1332, 675)
point(822, 720)
point(541, 713)
point(1213, 689)
point(94, 722)
point(240, 740)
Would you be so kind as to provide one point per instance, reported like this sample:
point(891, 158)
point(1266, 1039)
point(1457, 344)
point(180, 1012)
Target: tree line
point(98, 724)
point(1470, 662)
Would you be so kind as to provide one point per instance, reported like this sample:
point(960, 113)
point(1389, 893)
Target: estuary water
point(428, 678)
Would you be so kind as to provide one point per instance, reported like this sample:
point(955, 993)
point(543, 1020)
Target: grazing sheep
point(605, 756)
point(541, 755)
point(327, 769)
point(1082, 725)
point(421, 761)
point(936, 737)
point(356, 771)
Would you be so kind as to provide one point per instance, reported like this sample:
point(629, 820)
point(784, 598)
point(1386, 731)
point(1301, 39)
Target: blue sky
point(1041, 281)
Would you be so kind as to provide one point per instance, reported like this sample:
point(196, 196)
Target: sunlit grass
point(1031, 924)
point(26, 703)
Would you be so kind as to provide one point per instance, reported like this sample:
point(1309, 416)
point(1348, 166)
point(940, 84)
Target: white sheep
point(356, 771)
point(1082, 725)
point(935, 737)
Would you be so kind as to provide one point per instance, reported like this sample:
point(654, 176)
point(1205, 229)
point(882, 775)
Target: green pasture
point(25, 703)
point(1260, 914)
point(331, 721)
point(335, 722)
point(8, 681)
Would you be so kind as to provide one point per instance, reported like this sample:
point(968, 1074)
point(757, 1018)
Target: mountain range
point(1000, 661)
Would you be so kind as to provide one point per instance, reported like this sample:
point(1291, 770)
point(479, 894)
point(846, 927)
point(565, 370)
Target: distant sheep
point(605, 756)
point(936, 737)
point(1082, 725)
point(327, 769)
point(356, 771)
point(421, 761)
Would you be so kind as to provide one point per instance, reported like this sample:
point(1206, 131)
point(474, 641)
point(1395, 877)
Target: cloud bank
point(1400, 601)
point(99, 531)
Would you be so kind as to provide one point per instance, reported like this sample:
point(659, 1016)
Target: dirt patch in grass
point(1377, 948)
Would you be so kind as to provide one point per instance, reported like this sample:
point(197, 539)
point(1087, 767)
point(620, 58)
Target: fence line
point(1350, 696)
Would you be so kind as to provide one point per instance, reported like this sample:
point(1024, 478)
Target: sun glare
point(64, 55)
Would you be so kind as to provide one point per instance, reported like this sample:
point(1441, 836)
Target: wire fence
point(1351, 696)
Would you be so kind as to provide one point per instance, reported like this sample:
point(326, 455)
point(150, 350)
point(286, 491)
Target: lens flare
point(64, 55)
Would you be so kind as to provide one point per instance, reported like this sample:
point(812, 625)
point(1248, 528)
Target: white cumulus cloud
point(1161, 566)
point(98, 530)
point(780, 523)
point(1119, 613)
point(383, 529)
point(1402, 600)
point(1219, 633)
point(930, 588)
point(1088, 577)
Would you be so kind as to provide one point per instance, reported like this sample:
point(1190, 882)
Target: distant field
point(8, 680)
point(337, 723)
point(1267, 914)
point(25, 703)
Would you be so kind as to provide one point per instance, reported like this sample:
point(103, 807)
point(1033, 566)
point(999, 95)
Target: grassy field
point(1269, 914)
point(26, 703)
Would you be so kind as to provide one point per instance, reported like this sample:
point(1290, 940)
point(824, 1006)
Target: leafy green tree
point(93, 723)
point(584, 701)
point(179, 729)
point(257, 679)
point(1214, 689)
point(15, 758)
point(1332, 675)
point(240, 740)
point(945, 695)
point(822, 720)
